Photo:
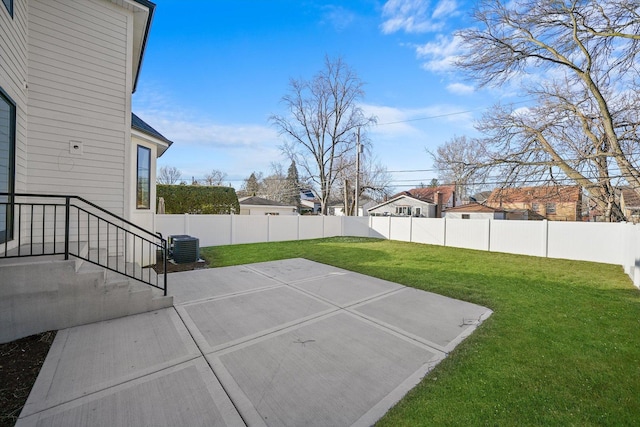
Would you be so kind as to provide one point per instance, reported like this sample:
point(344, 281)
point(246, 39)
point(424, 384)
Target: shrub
point(198, 199)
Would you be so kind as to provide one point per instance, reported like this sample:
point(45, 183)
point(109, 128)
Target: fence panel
point(212, 230)
point(519, 237)
point(356, 226)
point(400, 229)
point(332, 226)
point(379, 226)
point(283, 228)
point(428, 230)
point(311, 227)
point(249, 229)
point(467, 233)
point(170, 224)
point(587, 241)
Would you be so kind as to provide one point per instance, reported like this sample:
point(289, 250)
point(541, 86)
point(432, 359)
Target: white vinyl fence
point(611, 243)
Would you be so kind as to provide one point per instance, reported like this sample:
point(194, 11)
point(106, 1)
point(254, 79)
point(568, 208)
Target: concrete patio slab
point(187, 394)
point(283, 343)
point(430, 318)
point(294, 270)
point(189, 286)
point(347, 288)
point(331, 371)
point(89, 358)
point(221, 322)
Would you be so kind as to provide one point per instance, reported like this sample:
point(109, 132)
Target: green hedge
point(197, 199)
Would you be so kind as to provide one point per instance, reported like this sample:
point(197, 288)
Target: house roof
point(556, 193)
point(260, 201)
point(139, 124)
point(631, 198)
point(473, 207)
point(427, 194)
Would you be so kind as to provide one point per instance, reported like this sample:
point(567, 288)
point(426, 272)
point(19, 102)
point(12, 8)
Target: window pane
point(9, 5)
point(143, 196)
point(7, 140)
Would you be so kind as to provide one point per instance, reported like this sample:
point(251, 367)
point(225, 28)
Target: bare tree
point(456, 162)
point(216, 177)
point(323, 117)
point(375, 182)
point(169, 175)
point(584, 126)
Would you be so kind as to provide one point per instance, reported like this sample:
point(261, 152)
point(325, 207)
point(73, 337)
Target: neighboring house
point(630, 204)
point(309, 202)
point(365, 203)
point(404, 205)
point(474, 211)
point(426, 202)
point(255, 205)
point(67, 72)
point(555, 203)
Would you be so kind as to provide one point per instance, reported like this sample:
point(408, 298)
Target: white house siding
point(13, 76)
point(79, 76)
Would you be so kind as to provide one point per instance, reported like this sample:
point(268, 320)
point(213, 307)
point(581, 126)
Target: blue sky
point(214, 71)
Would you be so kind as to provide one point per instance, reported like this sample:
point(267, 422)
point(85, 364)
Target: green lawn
point(562, 347)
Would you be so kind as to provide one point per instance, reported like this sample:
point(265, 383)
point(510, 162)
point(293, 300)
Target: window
point(551, 208)
point(535, 207)
point(466, 216)
point(403, 210)
point(9, 5)
point(143, 192)
point(7, 161)
point(418, 211)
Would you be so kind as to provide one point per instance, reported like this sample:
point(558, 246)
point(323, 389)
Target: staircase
point(42, 293)
point(50, 281)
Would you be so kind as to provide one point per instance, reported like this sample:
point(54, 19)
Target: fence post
point(489, 235)
point(545, 242)
point(444, 231)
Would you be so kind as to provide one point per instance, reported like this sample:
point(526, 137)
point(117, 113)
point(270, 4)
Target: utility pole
point(358, 151)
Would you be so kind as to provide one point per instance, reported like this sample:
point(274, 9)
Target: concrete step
point(45, 293)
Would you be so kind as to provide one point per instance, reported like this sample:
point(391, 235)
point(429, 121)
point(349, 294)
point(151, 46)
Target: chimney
point(438, 201)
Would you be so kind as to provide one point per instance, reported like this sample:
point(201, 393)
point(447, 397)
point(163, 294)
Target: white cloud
point(338, 17)
point(445, 9)
point(440, 54)
point(416, 16)
point(460, 89)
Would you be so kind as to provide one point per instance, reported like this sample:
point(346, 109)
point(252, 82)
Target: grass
point(562, 347)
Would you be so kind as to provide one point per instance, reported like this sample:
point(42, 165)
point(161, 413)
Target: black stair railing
point(39, 224)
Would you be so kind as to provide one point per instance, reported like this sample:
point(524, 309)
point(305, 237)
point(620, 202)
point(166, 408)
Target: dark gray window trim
point(12, 163)
point(148, 183)
point(9, 5)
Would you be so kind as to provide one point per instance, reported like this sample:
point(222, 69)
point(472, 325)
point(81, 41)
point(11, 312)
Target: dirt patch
point(20, 363)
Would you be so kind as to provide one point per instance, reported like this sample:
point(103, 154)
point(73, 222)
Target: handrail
point(93, 205)
point(49, 221)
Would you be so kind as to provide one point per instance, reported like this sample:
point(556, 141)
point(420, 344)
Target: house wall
point(565, 211)
point(80, 81)
point(474, 215)
point(428, 209)
point(13, 77)
point(263, 210)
